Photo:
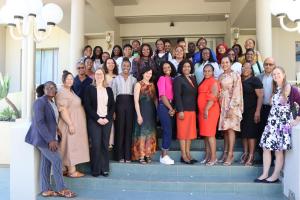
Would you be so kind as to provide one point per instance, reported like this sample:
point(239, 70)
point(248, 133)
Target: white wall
point(2, 49)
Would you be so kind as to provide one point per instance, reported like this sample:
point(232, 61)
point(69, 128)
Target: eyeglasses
point(270, 64)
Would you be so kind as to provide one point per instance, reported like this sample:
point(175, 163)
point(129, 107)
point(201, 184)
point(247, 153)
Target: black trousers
point(124, 126)
point(99, 138)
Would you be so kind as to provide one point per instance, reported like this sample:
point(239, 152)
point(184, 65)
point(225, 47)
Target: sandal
point(49, 193)
point(224, 157)
point(142, 161)
point(250, 160)
point(243, 158)
point(148, 159)
point(211, 163)
point(75, 174)
point(228, 162)
point(67, 193)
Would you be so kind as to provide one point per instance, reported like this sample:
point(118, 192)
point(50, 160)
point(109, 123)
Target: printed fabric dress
point(277, 133)
point(144, 136)
point(231, 100)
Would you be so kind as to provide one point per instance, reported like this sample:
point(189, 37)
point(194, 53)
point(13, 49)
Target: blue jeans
point(49, 158)
point(167, 123)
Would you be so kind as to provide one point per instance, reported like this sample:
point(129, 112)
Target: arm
point(88, 104)
point(137, 89)
point(237, 94)
point(177, 94)
point(260, 97)
point(212, 97)
point(114, 88)
point(39, 116)
point(111, 104)
point(64, 112)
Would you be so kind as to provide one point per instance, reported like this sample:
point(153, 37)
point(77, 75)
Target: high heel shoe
point(211, 163)
point(186, 162)
point(229, 162)
point(250, 160)
point(224, 157)
point(243, 158)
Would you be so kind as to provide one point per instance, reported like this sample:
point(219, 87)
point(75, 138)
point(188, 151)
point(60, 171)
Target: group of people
point(114, 100)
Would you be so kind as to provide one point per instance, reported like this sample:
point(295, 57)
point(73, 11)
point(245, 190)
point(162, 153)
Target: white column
point(2, 49)
point(264, 27)
point(77, 32)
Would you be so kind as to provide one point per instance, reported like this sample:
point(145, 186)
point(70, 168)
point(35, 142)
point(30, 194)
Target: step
point(114, 194)
point(198, 144)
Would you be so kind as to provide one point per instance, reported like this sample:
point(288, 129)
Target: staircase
point(184, 182)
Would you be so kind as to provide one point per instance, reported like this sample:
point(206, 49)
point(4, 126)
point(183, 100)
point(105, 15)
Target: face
point(205, 54)
point(191, 47)
point(231, 55)
point(236, 49)
point(186, 69)
point(201, 44)
point(99, 76)
point(146, 51)
point(50, 90)
point(135, 46)
point(208, 71)
point(249, 44)
point(250, 56)
point(69, 81)
point(167, 46)
point(88, 52)
point(221, 49)
point(81, 69)
point(167, 69)
point(269, 65)
point(147, 75)
point(179, 53)
point(247, 70)
point(182, 43)
point(160, 46)
point(89, 64)
point(110, 65)
point(127, 52)
point(125, 67)
point(98, 51)
point(105, 56)
point(225, 63)
point(117, 51)
point(278, 76)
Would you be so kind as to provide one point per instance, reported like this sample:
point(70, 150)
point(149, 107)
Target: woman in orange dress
point(209, 112)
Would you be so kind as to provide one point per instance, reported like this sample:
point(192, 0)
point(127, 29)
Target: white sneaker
point(166, 160)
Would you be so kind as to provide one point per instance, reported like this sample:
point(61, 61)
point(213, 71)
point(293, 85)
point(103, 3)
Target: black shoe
point(259, 180)
point(186, 162)
point(194, 161)
point(96, 175)
point(105, 174)
point(275, 181)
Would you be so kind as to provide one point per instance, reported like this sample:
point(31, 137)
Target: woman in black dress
point(253, 98)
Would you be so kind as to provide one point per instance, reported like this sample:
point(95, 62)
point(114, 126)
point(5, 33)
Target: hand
point(100, 121)
point(172, 112)
point(53, 145)
point(181, 115)
point(71, 129)
point(295, 122)
point(256, 117)
point(205, 114)
point(140, 120)
point(105, 121)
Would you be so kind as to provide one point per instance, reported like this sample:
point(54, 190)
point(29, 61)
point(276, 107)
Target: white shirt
point(175, 63)
point(122, 86)
point(102, 100)
point(267, 84)
point(119, 63)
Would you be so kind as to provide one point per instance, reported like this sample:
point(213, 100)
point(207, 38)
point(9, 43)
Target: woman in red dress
point(209, 112)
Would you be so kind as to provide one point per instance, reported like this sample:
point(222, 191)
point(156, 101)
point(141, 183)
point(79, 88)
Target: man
point(201, 44)
point(127, 52)
point(135, 48)
point(81, 81)
point(191, 50)
point(168, 46)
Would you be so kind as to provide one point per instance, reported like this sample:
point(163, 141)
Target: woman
point(88, 63)
point(144, 60)
point(72, 125)
point(231, 102)
point(144, 134)
point(239, 52)
point(221, 50)
point(257, 66)
point(235, 65)
point(87, 51)
point(209, 112)
point(99, 105)
point(122, 87)
point(168, 46)
point(42, 134)
point(97, 56)
point(179, 55)
point(116, 52)
point(253, 98)
point(105, 56)
point(277, 134)
point(250, 44)
point(185, 93)
point(206, 57)
point(166, 109)
point(161, 55)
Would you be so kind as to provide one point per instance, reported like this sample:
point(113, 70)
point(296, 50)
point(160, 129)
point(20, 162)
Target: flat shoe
point(275, 181)
point(259, 180)
point(49, 193)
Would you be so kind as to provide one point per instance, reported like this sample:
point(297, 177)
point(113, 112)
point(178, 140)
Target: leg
point(166, 123)
point(266, 164)
point(120, 132)
point(278, 166)
point(188, 149)
point(251, 144)
point(56, 162)
point(244, 156)
point(183, 150)
point(94, 131)
point(231, 142)
point(45, 174)
point(128, 131)
point(212, 148)
point(225, 151)
point(104, 153)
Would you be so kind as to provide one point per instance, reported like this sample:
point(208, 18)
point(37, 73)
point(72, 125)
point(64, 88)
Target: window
point(46, 65)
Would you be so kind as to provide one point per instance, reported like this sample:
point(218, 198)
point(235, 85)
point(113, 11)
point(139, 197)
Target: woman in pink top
point(165, 109)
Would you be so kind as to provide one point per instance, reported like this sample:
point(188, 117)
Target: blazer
point(90, 103)
point(43, 127)
point(185, 95)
